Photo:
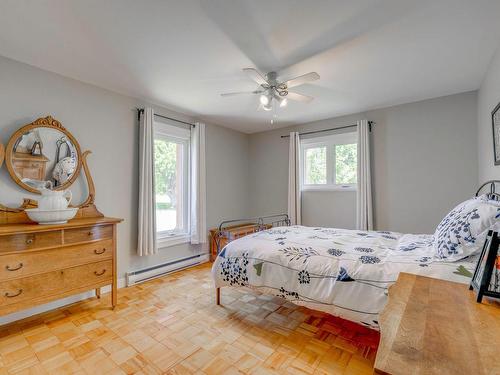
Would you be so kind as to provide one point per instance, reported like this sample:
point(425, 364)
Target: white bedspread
point(343, 272)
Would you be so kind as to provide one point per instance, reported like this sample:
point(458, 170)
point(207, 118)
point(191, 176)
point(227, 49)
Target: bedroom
point(425, 74)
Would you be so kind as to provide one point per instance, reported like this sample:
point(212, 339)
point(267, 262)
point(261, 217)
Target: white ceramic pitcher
point(54, 199)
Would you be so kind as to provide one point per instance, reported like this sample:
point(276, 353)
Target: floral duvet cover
point(343, 272)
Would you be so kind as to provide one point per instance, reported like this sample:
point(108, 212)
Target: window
point(329, 163)
point(171, 154)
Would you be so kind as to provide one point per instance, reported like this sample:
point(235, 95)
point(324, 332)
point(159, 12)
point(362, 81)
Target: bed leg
point(217, 296)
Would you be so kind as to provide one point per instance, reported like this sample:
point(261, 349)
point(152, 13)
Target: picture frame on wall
point(486, 278)
point(495, 119)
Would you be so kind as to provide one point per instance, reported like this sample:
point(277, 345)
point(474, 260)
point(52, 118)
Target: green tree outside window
point(165, 169)
point(316, 166)
point(346, 163)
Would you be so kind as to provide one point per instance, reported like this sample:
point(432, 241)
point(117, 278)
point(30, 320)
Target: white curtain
point(146, 243)
point(198, 185)
point(294, 210)
point(364, 215)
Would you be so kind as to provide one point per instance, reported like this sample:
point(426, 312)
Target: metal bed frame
point(260, 223)
point(492, 194)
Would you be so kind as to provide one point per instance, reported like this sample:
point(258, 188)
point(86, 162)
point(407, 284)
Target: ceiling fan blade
point(300, 80)
point(299, 97)
point(241, 93)
point(255, 75)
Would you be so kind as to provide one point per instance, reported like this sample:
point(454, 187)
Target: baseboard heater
point(140, 276)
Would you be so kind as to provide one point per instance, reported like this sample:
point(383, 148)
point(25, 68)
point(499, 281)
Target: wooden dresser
point(30, 166)
point(432, 326)
point(42, 263)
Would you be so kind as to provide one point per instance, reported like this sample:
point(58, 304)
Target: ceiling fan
point(271, 89)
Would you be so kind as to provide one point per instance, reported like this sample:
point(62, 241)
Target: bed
point(343, 272)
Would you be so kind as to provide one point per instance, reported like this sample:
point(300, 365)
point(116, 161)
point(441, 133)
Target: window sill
point(168, 241)
point(328, 188)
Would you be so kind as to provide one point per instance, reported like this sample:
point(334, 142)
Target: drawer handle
point(99, 273)
point(90, 233)
point(100, 252)
point(8, 295)
point(7, 267)
point(29, 241)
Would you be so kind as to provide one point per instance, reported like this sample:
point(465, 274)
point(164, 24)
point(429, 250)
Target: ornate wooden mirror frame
point(87, 208)
point(2, 154)
point(44, 122)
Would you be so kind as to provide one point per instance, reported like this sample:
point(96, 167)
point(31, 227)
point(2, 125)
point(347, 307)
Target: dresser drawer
point(14, 266)
point(30, 241)
point(78, 235)
point(55, 282)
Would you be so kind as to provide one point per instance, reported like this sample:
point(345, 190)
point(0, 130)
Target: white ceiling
point(183, 54)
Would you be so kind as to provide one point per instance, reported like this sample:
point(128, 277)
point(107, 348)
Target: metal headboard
point(260, 223)
point(492, 194)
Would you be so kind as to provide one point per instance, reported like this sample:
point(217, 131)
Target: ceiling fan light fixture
point(273, 92)
point(264, 100)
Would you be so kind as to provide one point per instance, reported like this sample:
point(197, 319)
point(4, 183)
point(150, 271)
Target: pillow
point(463, 231)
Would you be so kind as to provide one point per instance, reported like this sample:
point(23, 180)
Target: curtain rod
point(370, 123)
point(141, 110)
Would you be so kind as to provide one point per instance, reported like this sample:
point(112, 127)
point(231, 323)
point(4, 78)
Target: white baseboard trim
point(56, 304)
point(146, 274)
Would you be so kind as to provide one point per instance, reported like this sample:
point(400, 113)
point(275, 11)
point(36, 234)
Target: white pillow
point(463, 231)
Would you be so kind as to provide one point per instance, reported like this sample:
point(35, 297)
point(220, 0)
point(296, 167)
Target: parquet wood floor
point(172, 326)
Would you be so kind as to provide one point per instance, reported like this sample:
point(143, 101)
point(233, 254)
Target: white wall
point(488, 98)
point(424, 161)
point(106, 123)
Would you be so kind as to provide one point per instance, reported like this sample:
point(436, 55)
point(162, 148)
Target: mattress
point(343, 272)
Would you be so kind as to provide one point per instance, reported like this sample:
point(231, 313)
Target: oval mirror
point(43, 154)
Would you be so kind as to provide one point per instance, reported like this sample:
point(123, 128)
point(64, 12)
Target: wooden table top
point(74, 223)
point(28, 156)
point(432, 326)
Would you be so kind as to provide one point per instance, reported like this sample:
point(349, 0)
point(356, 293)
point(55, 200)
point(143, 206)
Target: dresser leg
point(113, 296)
point(98, 293)
point(114, 285)
point(217, 295)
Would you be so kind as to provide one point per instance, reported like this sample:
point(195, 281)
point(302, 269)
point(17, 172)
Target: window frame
point(330, 142)
point(172, 133)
